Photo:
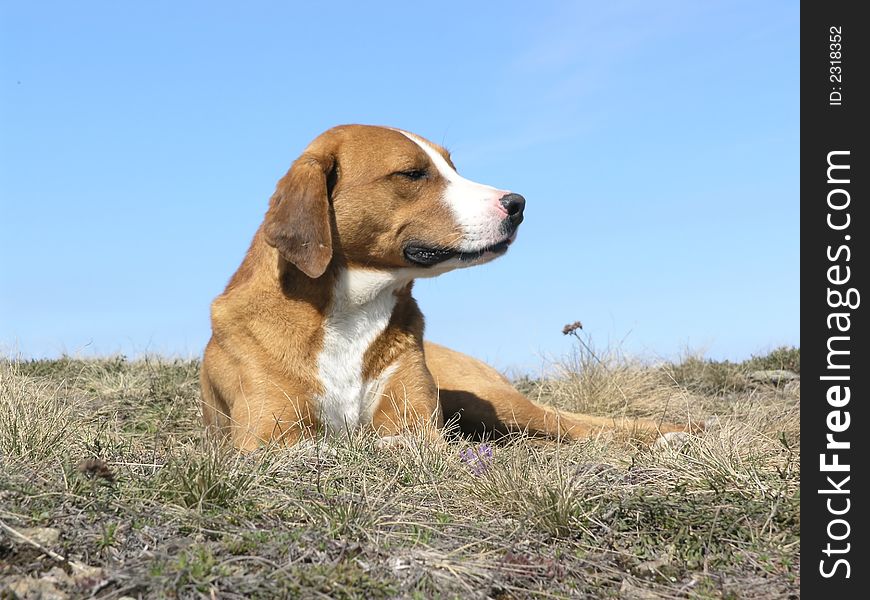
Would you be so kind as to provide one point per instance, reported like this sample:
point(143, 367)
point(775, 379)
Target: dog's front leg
point(408, 401)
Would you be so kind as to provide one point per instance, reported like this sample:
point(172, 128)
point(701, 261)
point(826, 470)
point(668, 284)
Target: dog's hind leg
point(481, 401)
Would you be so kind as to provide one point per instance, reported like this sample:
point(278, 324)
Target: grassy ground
point(108, 487)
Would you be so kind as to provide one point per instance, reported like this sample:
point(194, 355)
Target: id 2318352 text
point(835, 71)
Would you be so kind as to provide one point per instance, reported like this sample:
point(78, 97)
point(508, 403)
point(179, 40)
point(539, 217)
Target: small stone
point(44, 536)
point(400, 563)
point(28, 588)
point(650, 567)
point(87, 576)
point(629, 591)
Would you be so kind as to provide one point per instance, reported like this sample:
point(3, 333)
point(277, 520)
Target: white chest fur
point(363, 302)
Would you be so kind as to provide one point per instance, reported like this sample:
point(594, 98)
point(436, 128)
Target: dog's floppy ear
point(297, 223)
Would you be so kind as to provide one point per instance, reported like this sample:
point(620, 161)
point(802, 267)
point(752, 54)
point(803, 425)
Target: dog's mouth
point(427, 256)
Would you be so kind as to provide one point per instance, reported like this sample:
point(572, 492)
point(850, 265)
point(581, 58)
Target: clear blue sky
point(656, 144)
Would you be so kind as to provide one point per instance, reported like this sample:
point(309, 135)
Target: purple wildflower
point(478, 459)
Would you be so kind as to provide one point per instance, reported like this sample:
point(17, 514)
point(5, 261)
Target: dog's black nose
point(514, 204)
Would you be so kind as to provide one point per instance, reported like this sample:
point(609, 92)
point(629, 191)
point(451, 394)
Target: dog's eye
point(413, 174)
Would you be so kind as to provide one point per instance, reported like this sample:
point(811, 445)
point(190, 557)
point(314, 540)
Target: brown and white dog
point(318, 329)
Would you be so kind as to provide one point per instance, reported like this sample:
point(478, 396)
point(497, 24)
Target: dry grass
point(161, 511)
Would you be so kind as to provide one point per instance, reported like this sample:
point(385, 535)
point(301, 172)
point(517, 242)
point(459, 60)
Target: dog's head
point(385, 199)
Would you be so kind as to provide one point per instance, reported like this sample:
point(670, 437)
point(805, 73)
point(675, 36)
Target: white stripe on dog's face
point(475, 206)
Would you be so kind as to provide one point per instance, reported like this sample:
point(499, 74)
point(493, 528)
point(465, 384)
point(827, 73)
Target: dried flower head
point(572, 327)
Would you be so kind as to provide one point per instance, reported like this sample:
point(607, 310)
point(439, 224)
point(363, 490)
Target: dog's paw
point(713, 423)
point(674, 440)
point(310, 448)
point(394, 441)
